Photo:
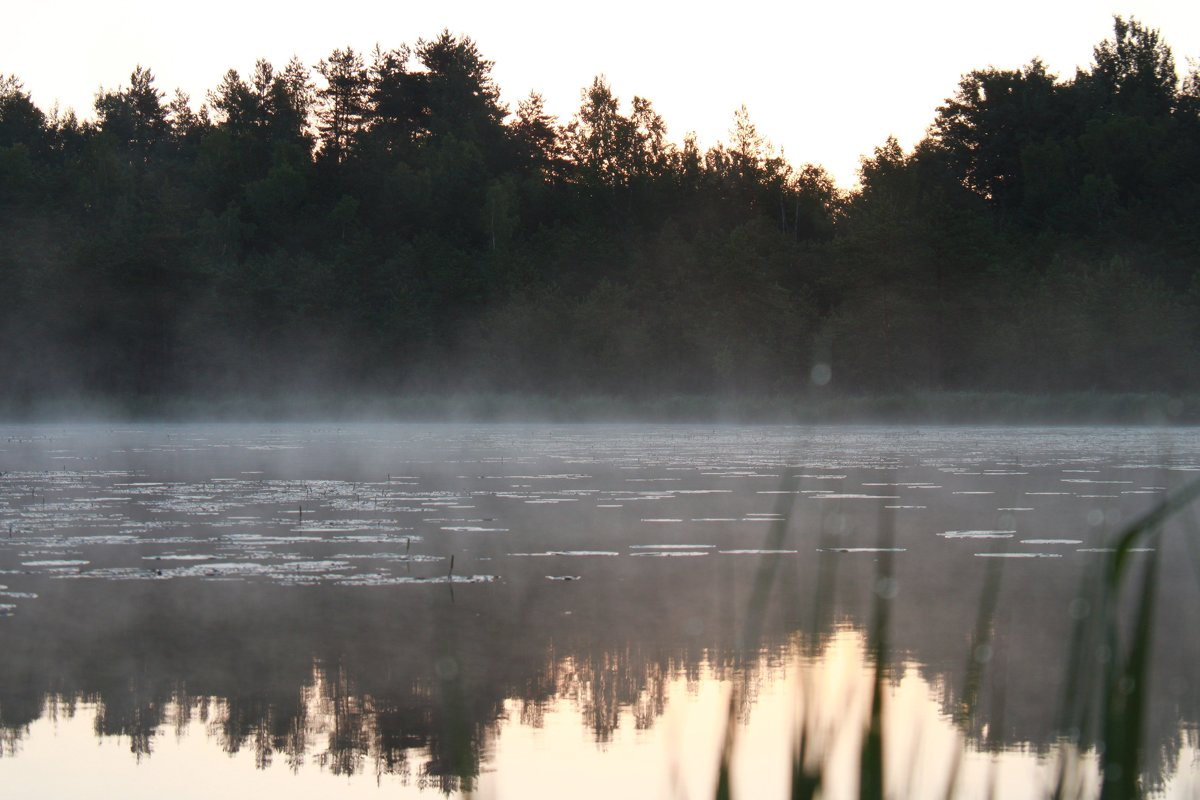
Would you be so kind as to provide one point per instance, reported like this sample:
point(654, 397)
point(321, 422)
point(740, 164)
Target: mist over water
point(382, 224)
point(460, 607)
point(286, 607)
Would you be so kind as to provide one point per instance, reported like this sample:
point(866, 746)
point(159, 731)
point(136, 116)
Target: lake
point(524, 610)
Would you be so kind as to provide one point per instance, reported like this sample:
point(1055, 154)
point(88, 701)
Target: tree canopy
point(386, 221)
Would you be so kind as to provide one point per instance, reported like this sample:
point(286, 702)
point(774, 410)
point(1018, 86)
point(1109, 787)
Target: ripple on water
point(671, 546)
point(863, 550)
point(853, 496)
point(757, 552)
point(472, 529)
point(181, 557)
point(571, 553)
point(1113, 550)
point(398, 580)
point(1018, 555)
point(402, 557)
point(115, 574)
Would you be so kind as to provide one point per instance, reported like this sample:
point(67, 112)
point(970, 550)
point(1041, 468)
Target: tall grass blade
point(981, 645)
point(806, 781)
point(871, 767)
point(871, 770)
point(1147, 528)
point(1082, 686)
point(1125, 707)
point(751, 633)
point(979, 653)
point(1121, 696)
point(723, 791)
point(824, 591)
point(1192, 539)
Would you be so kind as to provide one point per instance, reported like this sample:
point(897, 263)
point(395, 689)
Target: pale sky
point(825, 81)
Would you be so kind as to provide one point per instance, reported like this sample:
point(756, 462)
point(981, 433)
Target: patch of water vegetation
point(423, 616)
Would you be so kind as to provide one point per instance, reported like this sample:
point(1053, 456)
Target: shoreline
point(948, 408)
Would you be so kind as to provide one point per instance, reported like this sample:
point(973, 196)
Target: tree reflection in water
point(424, 683)
point(437, 729)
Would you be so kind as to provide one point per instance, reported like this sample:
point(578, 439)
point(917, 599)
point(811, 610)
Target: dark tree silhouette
point(390, 227)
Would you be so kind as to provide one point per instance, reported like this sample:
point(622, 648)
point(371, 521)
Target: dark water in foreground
point(565, 611)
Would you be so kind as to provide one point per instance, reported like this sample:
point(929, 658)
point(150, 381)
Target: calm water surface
point(517, 611)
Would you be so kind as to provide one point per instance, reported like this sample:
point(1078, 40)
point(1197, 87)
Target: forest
point(382, 224)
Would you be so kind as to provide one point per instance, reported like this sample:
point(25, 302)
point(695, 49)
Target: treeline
point(383, 223)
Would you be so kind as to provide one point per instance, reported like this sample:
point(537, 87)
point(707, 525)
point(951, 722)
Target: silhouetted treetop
point(1135, 70)
point(990, 120)
point(21, 122)
point(389, 222)
point(135, 118)
point(342, 102)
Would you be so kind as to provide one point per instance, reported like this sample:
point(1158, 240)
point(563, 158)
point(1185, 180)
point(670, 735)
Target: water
point(514, 611)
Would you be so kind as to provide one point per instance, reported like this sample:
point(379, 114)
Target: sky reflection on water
point(286, 594)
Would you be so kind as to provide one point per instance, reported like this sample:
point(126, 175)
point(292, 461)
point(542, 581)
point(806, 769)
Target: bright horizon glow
point(826, 84)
